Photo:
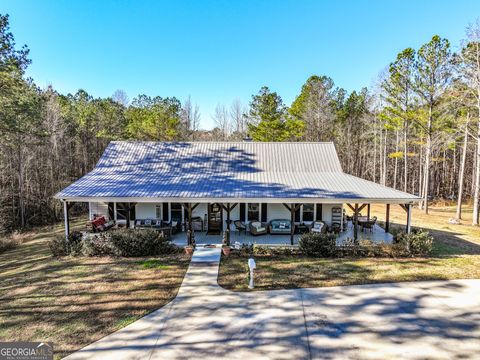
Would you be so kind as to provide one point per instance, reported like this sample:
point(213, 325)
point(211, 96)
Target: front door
point(215, 219)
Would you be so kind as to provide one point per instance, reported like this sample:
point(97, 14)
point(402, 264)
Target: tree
point(400, 99)
point(314, 107)
point(433, 73)
point(268, 118)
point(121, 97)
point(470, 71)
point(190, 119)
point(222, 123)
point(157, 118)
point(237, 115)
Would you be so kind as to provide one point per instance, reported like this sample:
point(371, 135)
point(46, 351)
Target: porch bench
point(280, 226)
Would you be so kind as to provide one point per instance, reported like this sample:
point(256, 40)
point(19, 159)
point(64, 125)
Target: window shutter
point(297, 214)
point(165, 211)
point(242, 211)
point(264, 212)
point(319, 212)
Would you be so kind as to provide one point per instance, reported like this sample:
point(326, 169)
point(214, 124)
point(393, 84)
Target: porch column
point(368, 212)
point(409, 216)
point(228, 225)
point(66, 219)
point(355, 223)
point(115, 212)
point(292, 225)
point(387, 219)
point(128, 216)
point(190, 227)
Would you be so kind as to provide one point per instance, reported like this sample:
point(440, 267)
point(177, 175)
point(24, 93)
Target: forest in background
point(416, 130)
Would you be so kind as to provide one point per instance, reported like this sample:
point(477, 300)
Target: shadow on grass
point(75, 301)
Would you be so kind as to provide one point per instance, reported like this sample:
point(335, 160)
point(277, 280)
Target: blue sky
point(216, 51)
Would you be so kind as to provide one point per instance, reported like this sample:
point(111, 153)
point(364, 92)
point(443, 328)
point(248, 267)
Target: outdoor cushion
point(99, 221)
point(318, 227)
point(280, 226)
point(148, 222)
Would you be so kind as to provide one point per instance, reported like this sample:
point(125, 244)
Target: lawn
point(456, 255)
point(73, 302)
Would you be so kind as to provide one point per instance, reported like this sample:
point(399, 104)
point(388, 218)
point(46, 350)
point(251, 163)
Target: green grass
point(456, 255)
point(153, 264)
point(74, 301)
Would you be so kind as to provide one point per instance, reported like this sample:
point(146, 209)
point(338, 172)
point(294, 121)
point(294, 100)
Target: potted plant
point(226, 250)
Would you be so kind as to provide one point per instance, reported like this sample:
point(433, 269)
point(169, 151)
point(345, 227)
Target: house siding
point(97, 208)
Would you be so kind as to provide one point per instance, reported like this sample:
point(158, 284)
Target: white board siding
point(277, 211)
point(97, 208)
point(148, 211)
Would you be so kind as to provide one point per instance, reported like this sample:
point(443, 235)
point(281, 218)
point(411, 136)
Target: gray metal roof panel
point(224, 170)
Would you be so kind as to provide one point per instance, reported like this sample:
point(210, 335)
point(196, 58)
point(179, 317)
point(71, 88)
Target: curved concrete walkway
point(437, 319)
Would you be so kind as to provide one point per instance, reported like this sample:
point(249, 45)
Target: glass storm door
point(214, 219)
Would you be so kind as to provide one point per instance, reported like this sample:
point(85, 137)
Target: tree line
point(418, 130)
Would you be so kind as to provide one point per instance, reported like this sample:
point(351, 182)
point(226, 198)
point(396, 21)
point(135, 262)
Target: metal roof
point(224, 170)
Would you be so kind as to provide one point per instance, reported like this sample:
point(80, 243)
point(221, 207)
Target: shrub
point(260, 250)
point(99, 245)
point(417, 243)
point(58, 246)
point(75, 243)
point(322, 245)
point(133, 243)
point(10, 241)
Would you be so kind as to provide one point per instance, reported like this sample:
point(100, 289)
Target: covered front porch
point(377, 235)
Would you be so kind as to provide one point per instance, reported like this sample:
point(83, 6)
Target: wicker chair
point(258, 228)
point(240, 226)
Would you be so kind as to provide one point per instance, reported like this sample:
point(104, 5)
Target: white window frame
point(159, 212)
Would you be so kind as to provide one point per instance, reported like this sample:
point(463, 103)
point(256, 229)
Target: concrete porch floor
point(377, 235)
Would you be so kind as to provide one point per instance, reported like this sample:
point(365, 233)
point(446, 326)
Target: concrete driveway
point(438, 319)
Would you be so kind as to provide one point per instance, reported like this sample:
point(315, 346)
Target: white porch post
point(409, 218)
point(65, 219)
point(115, 212)
point(169, 206)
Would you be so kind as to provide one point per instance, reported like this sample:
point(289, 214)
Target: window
point(308, 212)
point(158, 211)
point(176, 211)
point(253, 212)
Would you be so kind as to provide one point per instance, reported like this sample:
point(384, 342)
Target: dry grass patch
point(456, 255)
point(76, 301)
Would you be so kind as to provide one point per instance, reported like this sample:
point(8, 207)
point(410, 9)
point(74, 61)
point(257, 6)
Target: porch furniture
point(319, 227)
point(148, 223)
point(258, 228)
point(240, 226)
point(197, 223)
point(302, 228)
point(176, 226)
point(280, 226)
point(154, 224)
point(100, 224)
point(369, 224)
point(335, 228)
